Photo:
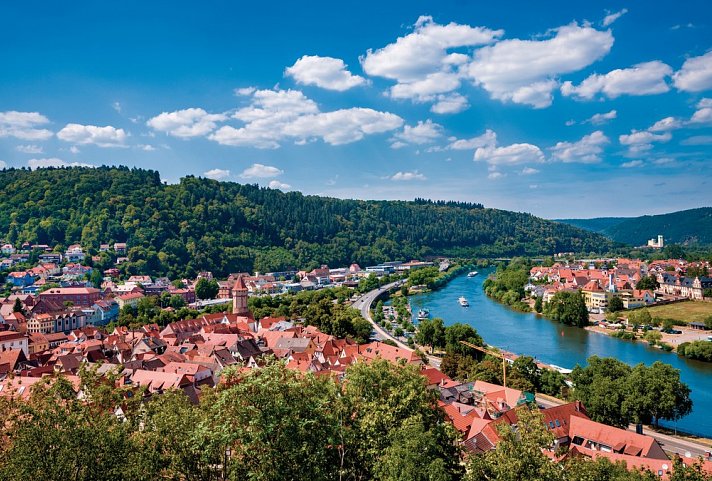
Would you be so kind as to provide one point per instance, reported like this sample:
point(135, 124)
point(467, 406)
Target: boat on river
point(423, 314)
point(463, 302)
point(472, 274)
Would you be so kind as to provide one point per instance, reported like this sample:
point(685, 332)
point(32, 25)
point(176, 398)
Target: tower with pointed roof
point(239, 298)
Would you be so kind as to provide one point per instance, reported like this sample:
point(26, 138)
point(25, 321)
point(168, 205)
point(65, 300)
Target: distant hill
point(598, 224)
point(201, 224)
point(689, 227)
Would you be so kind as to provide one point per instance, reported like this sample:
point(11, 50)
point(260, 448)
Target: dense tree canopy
point(200, 224)
point(568, 308)
point(617, 394)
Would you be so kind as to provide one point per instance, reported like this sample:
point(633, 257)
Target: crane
point(491, 353)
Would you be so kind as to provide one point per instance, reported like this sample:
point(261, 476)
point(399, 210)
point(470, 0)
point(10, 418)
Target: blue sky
point(560, 110)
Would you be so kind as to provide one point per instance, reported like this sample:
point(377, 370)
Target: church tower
point(239, 298)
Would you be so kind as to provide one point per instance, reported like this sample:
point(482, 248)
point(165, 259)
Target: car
point(671, 331)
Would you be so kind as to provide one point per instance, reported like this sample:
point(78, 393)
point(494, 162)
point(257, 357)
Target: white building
point(656, 244)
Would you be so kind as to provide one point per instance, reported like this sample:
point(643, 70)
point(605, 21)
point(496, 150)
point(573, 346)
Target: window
point(577, 440)
point(558, 424)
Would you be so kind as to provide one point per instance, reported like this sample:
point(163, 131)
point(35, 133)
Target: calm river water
point(554, 343)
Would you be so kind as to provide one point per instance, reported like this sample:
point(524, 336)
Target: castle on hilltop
point(656, 244)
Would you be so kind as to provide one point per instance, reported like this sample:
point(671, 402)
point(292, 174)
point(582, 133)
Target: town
point(57, 323)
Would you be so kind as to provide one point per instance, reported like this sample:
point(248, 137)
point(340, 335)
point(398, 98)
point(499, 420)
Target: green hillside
point(598, 224)
point(201, 224)
point(689, 227)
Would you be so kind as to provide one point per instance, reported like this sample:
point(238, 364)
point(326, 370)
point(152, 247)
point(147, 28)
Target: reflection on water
point(564, 346)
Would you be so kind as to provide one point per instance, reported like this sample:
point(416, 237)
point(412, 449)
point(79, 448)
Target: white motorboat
point(463, 302)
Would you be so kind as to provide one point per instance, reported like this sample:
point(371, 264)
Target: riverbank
point(561, 345)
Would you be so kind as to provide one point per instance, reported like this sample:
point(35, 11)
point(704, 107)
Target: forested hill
point(201, 224)
point(597, 224)
point(690, 227)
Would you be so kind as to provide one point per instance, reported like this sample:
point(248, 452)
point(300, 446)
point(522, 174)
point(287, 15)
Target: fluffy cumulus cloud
point(529, 171)
point(703, 114)
point(106, 136)
point(525, 71)
point(274, 116)
point(217, 174)
point(421, 133)
point(613, 16)
point(275, 184)
point(598, 119)
point(260, 171)
point(423, 63)
point(509, 155)
point(642, 140)
point(631, 164)
point(24, 125)
point(488, 139)
point(666, 124)
point(186, 123)
point(325, 72)
point(406, 176)
point(53, 162)
point(646, 78)
point(587, 150)
point(695, 74)
point(450, 104)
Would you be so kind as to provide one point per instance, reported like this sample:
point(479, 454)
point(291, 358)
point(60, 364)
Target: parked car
point(671, 331)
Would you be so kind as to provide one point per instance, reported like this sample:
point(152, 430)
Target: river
point(554, 343)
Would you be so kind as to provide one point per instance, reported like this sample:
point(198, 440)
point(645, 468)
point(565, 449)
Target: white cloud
point(23, 125)
point(598, 119)
point(245, 91)
point(146, 147)
point(406, 176)
point(524, 71)
point(276, 115)
point(695, 74)
point(422, 62)
point(510, 155)
point(612, 17)
point(529, 171)
point(450, 104)
point(216, 174)
point(186, 123)
point(116, 106)
point(587, 150)
point(53, 162)
point(29, 149)
point(495, 175)
point(325, 72)
point(422, 133)
point(631, 164)
point(260, 171)
point(488, 139)
point(107, 136)
point(703, 114)
point(663, 125)
point(642, 79)
point(697, 140)
point(639, 141)
point(74, 149)
point(275, 184)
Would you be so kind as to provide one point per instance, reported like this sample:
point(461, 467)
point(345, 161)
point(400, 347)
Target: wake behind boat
point(463, 302)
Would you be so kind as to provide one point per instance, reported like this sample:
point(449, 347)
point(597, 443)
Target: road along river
point(554, 343)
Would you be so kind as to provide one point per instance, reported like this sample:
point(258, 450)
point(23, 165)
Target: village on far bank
point(54, 319)
point(666, 302)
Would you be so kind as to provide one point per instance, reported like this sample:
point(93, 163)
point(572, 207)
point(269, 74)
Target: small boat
point(423, 314)
point(463, 302)
point(472, 274)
